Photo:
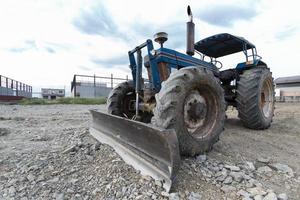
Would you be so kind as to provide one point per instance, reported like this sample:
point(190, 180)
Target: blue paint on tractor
point(215, 46)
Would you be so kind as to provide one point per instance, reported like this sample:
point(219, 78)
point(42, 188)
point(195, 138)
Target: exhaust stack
point(190, 33)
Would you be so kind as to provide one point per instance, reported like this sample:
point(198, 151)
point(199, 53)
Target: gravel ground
point(46, 152)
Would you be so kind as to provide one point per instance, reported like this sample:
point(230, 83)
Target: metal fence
point(10, 88)
point(288, 99)
point(94, 86)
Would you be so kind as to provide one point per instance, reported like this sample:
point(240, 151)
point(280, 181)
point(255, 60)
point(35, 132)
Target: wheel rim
point(199, 116)
point(266, 98)
point(126, 107)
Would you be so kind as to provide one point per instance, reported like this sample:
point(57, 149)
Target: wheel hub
point(195, 110)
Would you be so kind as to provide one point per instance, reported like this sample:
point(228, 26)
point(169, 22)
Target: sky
point(43, 43)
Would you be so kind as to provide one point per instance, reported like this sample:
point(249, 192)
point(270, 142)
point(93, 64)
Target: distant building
point(288, 89)
point(50, 93)
point(13, 90)
point(85, 86)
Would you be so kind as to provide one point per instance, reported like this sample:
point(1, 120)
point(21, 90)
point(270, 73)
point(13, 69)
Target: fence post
point(6, 86)
point(17, 88)
point(126, 77)
point(111, 80)
point(74, 85)
point(94, 85)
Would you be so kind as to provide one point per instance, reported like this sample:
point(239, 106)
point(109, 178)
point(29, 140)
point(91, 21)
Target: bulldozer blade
point(151, 150)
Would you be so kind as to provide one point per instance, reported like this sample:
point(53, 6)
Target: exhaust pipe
point(190, 33)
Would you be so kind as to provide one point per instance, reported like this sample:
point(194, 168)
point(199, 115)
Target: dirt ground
point(46, 152)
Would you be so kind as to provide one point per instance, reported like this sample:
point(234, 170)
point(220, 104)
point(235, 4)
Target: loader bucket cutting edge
point(151, 150)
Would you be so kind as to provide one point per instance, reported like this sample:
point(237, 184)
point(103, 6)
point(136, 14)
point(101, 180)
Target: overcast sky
point(45, 42)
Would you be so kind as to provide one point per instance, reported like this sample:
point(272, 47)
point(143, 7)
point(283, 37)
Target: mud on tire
point(255, 98)
point(191, 101)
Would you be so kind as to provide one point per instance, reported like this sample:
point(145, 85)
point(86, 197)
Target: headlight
point(153, 52)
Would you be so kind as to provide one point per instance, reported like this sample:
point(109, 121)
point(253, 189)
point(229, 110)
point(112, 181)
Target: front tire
point(120, 100)
point(191, 101)
point(255, 98)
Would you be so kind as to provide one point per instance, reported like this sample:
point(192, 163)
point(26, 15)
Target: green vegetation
point(66, 100)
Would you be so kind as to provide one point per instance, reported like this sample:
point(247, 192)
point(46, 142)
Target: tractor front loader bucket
point(151, 150)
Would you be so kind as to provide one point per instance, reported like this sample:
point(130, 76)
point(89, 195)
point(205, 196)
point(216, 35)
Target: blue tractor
point(179, 108)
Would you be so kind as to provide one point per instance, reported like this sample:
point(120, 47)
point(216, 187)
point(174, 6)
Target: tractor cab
point(224, 44)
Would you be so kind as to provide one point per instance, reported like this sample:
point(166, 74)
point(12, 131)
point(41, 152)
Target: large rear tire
point(255, 98)
point(191, 101)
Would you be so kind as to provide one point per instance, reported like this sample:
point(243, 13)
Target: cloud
point(177, 35)
point(176, 32)
point(226, 15)
point(84, 68)
point(96, 20)
point(49, 47)
point(50, 50)
point(28, 45)
point(111, 62)
point(287, 32)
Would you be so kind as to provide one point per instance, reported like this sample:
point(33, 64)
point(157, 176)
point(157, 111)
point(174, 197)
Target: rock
point(96, 146)
point(70, 191)
point(30, 177)
point(228, 188)
point(194, 196)
point(221, 178)
point(147, 177)
point(250, 166)
point(283, 168)
point(254, 182)
point(264, 160)
point(237, 176)
point(54, 180)
point(282, 196)
point(158, 183)
point(80, 143)
point(214, 168)
point(4, 131)
point(232, 167)
point(228, 180)
point(70, 149)
point(246, 177)
point(201, 158)
point(270, 196)
point(264, 170)
point(55, 173)
point(243, 193)
point(174, 196)
point(95, 191)
point(60, 196)
point(258, 197)
point(165, 194)
point(40, 178)
point(256, 191)
point(19, 118)
point(5, 118)
point(77, 196)
point(12, 191)
point(118, 194)
point(40, 138)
